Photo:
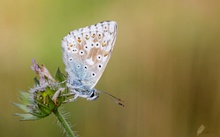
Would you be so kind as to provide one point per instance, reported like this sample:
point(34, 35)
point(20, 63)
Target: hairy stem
point(64, 123)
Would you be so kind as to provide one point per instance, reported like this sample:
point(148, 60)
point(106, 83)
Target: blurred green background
point(165, 65)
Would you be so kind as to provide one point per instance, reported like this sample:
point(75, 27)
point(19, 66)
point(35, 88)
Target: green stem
point(64, 123)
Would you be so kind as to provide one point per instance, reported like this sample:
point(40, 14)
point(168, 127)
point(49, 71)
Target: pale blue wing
point(86, 52)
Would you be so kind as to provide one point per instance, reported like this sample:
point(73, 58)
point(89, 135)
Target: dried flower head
point(45, 97)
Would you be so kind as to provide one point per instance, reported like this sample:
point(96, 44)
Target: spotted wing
point(86, 52)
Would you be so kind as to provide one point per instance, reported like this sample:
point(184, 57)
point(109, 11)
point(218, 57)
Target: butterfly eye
point(92, 95)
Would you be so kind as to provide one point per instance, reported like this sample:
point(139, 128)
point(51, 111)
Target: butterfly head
point(93, 95)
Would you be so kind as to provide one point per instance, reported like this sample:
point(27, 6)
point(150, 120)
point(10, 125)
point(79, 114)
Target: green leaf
point(25, 97)
point(59, 76)
point(36, 81)
point(27, 117)
point(21, 106)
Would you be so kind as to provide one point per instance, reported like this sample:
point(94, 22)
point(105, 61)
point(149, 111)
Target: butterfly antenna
point(113, 98)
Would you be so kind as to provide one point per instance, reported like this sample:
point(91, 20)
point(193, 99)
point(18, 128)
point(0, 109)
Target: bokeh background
point(165, 65)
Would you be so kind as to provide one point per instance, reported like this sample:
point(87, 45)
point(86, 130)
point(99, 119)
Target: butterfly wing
point(86, 52)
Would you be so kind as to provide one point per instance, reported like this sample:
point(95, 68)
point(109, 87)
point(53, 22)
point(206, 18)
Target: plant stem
point(64, 123)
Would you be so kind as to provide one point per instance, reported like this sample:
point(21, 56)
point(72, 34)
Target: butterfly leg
point(57, 94)
point(71, 99)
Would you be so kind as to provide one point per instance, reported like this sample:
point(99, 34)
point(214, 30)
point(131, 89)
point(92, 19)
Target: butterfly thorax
point(80, 90)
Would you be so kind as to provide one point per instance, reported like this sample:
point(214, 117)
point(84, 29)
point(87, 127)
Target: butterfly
point(86, 52)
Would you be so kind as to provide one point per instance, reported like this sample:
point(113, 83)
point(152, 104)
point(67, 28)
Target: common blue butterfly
point(86, 52)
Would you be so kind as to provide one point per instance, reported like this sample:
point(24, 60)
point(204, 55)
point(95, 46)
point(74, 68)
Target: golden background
point(165, 65)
